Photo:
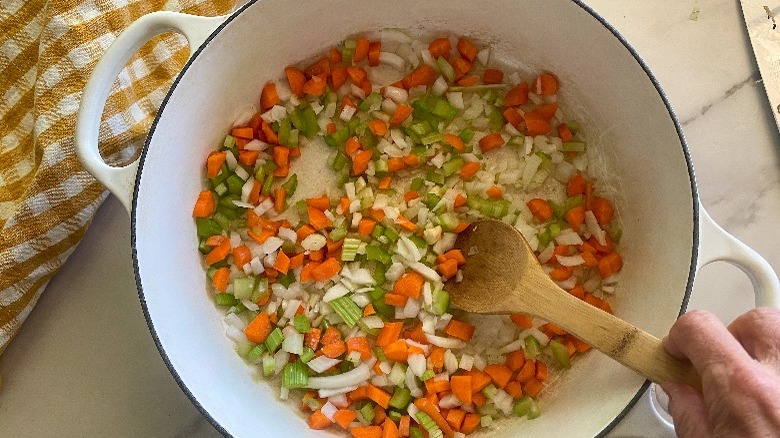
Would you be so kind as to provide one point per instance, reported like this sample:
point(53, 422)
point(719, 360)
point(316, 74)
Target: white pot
point(667, 234)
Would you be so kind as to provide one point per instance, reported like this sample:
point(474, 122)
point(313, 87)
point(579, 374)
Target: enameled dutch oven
point(667, 235)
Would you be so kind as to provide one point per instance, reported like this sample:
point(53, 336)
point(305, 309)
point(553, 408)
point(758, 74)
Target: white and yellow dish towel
point(48, 49)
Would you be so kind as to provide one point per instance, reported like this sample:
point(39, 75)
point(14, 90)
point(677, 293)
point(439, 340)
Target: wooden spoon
point(502, 275)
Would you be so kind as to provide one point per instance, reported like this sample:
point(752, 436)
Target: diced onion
point(321, 363)
point(358, 375)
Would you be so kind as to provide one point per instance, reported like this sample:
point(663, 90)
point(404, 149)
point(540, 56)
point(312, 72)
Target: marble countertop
point(84, 363)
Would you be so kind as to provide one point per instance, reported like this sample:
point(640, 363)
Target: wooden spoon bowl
point(502, 275)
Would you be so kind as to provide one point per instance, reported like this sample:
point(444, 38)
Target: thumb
point(688, 410)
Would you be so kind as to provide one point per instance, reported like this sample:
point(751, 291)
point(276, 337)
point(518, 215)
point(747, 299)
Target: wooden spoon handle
point(614, 337)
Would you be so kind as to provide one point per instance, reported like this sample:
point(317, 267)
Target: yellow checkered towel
point(47, 51)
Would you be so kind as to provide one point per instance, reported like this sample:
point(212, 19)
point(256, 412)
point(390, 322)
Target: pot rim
point(231, 17)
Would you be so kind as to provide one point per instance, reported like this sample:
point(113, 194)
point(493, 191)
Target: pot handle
point(121, 180)
point(716, 244)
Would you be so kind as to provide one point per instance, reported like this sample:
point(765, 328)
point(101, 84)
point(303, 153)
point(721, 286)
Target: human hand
point(740, 372)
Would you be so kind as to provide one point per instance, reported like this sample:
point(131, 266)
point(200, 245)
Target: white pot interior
point(604, 87)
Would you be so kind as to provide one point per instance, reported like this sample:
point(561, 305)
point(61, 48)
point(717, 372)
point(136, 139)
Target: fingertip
point(687, 408)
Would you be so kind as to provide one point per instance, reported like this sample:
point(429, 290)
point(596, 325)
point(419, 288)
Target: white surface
point(85, 365)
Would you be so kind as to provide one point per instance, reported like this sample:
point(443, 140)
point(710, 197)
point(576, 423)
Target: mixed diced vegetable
point(340, 294)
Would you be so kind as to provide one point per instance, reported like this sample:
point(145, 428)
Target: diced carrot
point(603, 210)
point(319, 67)
point(279, 199)
point(405, 223)
point(281, 155)
point(366, 86)
point(461, 227)
point(478, 398)
point(436, 386)
point(269, 97)
point(389, 429)
point(467, 49)
point(334, 350)
point(552, 329)
point(334, 55)
point(361, 50)
point(515, 360)
point(455, 254)
point(268, 132)
point(318, 420)
point(429, 408)
point(360, 162)
point(447, 268)
point(397, 351)
point(417, 335)
point(220, 279)
point(318, 220)
point(536, 124)
point(410, 284)
point(296, 79)
point(461, 387)
point(331, 336)
point(218, 253)
point(423, 75)
point(455, 418)
point(500, 374)
point(540, 208)
point(326, 269)
point(610, 264)
point(494, 192)
point(562, 273)
point(262, 237)
point(515, 389)
point(381, 397)
point(394, 164)
point(395, 300)
point(404, 425)
point(377, 213)
point(361, 345)
point(282, 263)
point(460, 201)
point(461, 67)
point(344, 417)
point(533, 387)
point(377, 127)
point(576, 185)
point(305, 231)
point(512, 116)
point(491, 141)
point(321, 203)
point(527, 372)
point(374, 50)
point(546, 84)
point(521, 320)
point(469, 170)
point(352, 145)
point(358, 394)
point(296, 260)
point(402, 112)
point(204, 205)
point(214, 163)
point(315, 86)
point(243, 132)
point(468, 81)
point(366, 226)
point(578, 290)
point(517, 95)
point(388, 333)
point(542, 373)
point(579, 345)
point(338, 77)
point(366, 432)
point(564, 132)
point(440, 47)
point(258, 330)
point(459, 329)
point(455, 141)
point(607, 248)
point(575, 217)
point(470, 423)
point(384, 183)
point(437, 357)
point(241, 255)
point(411, 160)
point(479, 380)
point(492, 76)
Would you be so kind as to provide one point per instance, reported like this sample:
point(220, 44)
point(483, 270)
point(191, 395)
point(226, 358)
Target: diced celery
point(394, 416)
point(221, 176)
point(230, 213)
point(444, 109)
point(296, 118)
point(467, 134)
point(560, 353)
point(532, 347)
point(274, 340)
point(310, 120)
point(416, 184)
point(284, 131)
point(378, 254)
point(307, 355)
point(445, 68)
point(256, 353)
point(290, 185)
point(448, 221)
point(523, 406)
point(415, 432)
point(371, 102)
point(268, 184)
point(302, 323)
point(615, 232)
point(269, 365)
point(207, 227)
point(225, 300)
point(221, 219)
point(452, 166)
point(203, 247)
point(544, 238)
point(349, 248)
point(234, 184)
point(401, 398)
point(574, 146)
point(221, 189)
point(286, 279)
point(243, 287)
point(430, 138)
point(431, 199)
point(260, 290)
point(378, 231)
point(421, 128)
point(348, 50)
point(419, 241)
point(295, 375)
point(227, 201)
point(367, 412)
point(555, 229)
point(392, 234)
point(381, 166)
point(428, 424)
point(337, 234)
point(229, 142)
point(441, 299)
point(434, 177)
point(428, 374)
point(347, 310)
